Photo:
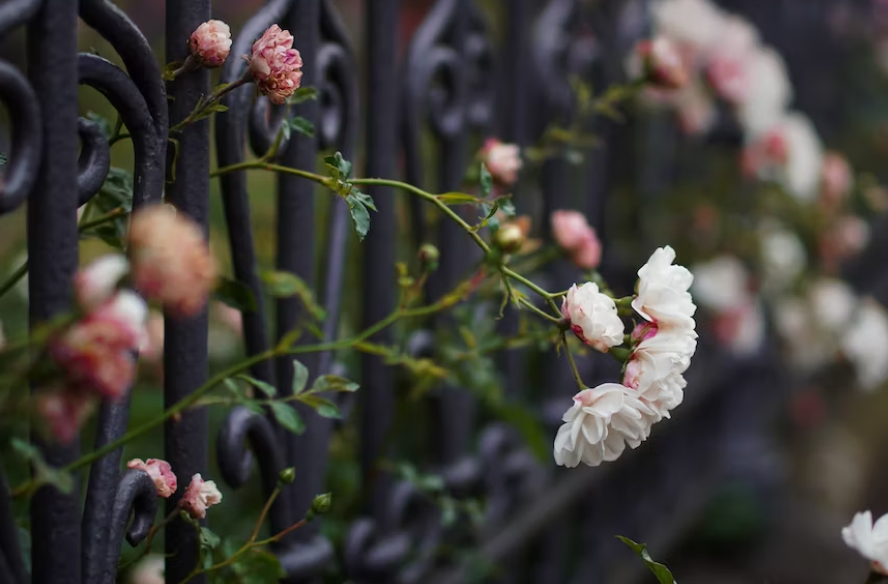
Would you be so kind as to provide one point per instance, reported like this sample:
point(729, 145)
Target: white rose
point(865, 344)
point(783, 255)
point(655, 368)
point(95, 283)
point(868, 539)
point(663, 290)
point(768, 93)
point(148, 571)
point(599, 425)
point(833, 303)
point(593, 317)
point(694, 22)
point(721, 284)
point(749, 334)
point(808, 349)
point(801, 175)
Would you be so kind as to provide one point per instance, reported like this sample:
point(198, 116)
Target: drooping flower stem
point(573, 364)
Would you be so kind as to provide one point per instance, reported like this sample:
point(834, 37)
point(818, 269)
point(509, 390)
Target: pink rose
point(729, 79)
point(97, 282)
point(171, 260)
point(64, 410)
point(95, 352)
point(836, 179)
point(662, 63)
point(502, 160)
point(275, 65)
point(574, 235)
point(211, 43)
point(199, 495)
point(160, 472)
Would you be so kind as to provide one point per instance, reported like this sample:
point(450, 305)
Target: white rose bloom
point(768, 94)
point(721, 284)
point(593, 317)
point(801, 176)
point(865, 344)
point(148, 571)
point(750, 334)
point(598, 426)
point(833, 303)
point(871, 541)
point(655, 368)
point(808, 348)
point(663, 295)
point(783, 255)
point(737, 37)
point(694, 22)
point(96, 282)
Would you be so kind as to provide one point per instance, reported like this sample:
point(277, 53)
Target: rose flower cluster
point(169, 262)
point(604, 419)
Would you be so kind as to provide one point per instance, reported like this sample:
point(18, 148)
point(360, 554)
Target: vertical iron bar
point(296, 245)
point(379, 247)
point(185, 350)
point(52, 260)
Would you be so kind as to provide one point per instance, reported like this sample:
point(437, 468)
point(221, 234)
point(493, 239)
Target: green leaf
point(266, 388)
point(324, 407)
point(334, 383)
point(528, 425)
point(459, 199)
point(287, 417)
point(208, 539)
point(364, 199)
point(258, 566)
point(340, 167)
point(360, 215)
point(300, 376)
point(664, 576)
point(236, 389)
point(209, 110)
point(302, 94)
point(289, 339)
point(43, 473)
point(235, 294)
point(486, 180)
point(284, 285)
point(298, 124)
point(507, 207)
point(169, 69)
point(102, 122)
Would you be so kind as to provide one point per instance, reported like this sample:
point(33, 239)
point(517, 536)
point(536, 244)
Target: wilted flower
point(662, 63)
point(211, 43)
point(865, 344)
point(64, 410)
point(574, 235)
point(593, 317)
point(160, 472)
point(275, 65)
point(97, 282)
point(95, 352)
point(663, 295)
point(150, 570)
point(502, 160)
point(598, 426)
point(871, 541)
point(171, 260)
point(199, 495)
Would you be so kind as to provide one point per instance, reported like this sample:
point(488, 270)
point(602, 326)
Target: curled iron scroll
point(136, 496)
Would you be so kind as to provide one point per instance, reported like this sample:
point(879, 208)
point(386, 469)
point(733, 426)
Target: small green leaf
point(342, 168)
point(300, 376)
point(284, 285)
point(334, 383)
point(664, 576)
point(459, 199)
point(328, 410)
point(235, 294)
point(3, 159)
point(208, 539)
point(43, 473)
point(169, 69)
point(486, 180)
point(302, 94)
point(298, 124)
point(289, 339)
point(360, 215)
point(364, 199)
point(287, 417)
point(507, 207)
point(210, 110)
point(258, 566)
point(266, 388)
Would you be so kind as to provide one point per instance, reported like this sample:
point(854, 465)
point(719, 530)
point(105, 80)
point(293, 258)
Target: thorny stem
point(573, 364)
point(213, 98)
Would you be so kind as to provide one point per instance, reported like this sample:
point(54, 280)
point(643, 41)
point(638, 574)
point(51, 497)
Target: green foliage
point(285, 285)
point(262, 386)
point(359, 204)
point(434, 487)
point(300, 377)
point(235, 294)
point(257, 566)
point(287, 417)
point(302, 94)
point(116, 195)
point(43, 473)
point(664, 576)
point(486, 180)
point(103, 123)
point(297, 124)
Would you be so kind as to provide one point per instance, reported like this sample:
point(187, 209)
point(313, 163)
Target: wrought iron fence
point(454, 84)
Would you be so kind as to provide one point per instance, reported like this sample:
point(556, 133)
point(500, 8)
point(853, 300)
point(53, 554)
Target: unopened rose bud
point(321, 504)
point(428, 257)
point(211, 43)
point(287, 476)
point(509, 238)
point(662, 63)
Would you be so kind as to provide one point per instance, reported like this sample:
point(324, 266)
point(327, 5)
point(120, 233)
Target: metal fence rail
point(454, 84)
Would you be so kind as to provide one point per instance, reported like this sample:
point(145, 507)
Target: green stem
point(519, 278)
point(14, 279)
point(573, 364)
point(533, 308)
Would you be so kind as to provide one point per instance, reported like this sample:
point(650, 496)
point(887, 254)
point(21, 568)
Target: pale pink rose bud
point(502, 160)
point(64, 411)
point(643, 331)
point(150, 570)
point(160, 472)
point(171, 260)
point(574, 235)
point(199, 495)
point(836, 179)
point(95, 353)
point(662, 63)
point(211, 43)
point(97, 282)
point(593, 317)
point(275, 65)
